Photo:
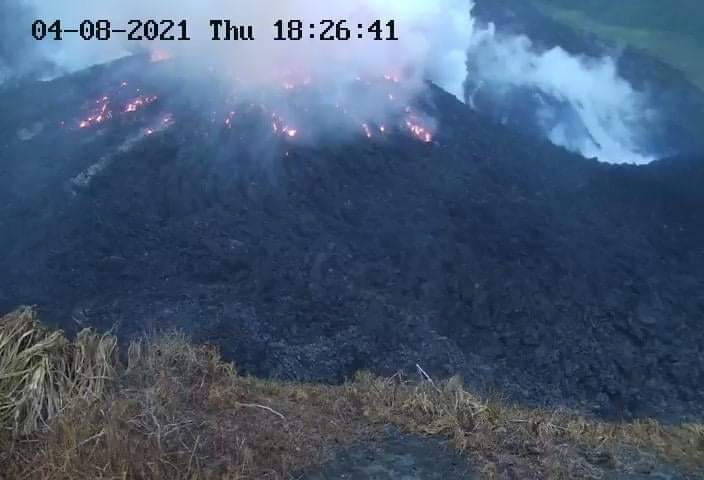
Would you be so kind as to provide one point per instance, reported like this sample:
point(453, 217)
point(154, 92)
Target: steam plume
point(577, 102)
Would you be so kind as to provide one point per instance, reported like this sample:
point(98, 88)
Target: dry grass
point(514, 442)
point(176, 411)
point(41, 373)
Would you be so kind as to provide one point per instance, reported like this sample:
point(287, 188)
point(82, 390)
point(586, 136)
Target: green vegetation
point(670, 31)
point(174, 410)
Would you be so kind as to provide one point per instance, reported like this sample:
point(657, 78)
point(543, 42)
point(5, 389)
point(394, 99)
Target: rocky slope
point(524, 268)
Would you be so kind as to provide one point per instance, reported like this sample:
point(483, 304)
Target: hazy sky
point(433, 35)
point(437, 38)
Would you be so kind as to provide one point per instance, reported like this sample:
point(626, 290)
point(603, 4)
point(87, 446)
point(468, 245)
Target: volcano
point(436, 237)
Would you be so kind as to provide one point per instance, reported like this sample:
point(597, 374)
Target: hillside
point(526, 269)
point(672, 32)
point(670, 91)
point(333, 273)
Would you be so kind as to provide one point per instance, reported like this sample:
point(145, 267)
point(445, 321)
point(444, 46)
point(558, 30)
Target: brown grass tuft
point(41, 373)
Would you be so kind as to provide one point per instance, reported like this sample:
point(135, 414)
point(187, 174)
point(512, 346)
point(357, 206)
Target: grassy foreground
point(169, 409)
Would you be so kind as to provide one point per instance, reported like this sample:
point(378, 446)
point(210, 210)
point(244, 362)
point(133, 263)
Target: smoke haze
point(433, 37)
point(580, 103)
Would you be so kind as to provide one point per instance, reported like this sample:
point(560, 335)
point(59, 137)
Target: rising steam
point(580, 103)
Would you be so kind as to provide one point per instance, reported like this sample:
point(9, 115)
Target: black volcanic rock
point(512, 262)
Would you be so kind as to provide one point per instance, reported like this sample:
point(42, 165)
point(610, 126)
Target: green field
point(670, 31)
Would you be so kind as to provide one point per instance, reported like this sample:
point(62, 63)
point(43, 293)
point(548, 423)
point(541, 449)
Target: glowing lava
point(418, 130)
point(101, 111)
point(99, 114)
point(159, 55)
point(390, 113)
point(167, 120)
point(280, 126)
point(139, 102)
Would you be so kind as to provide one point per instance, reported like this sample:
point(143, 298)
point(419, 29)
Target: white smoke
point(585, 105)
point(582, 103)
point(433, 37)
